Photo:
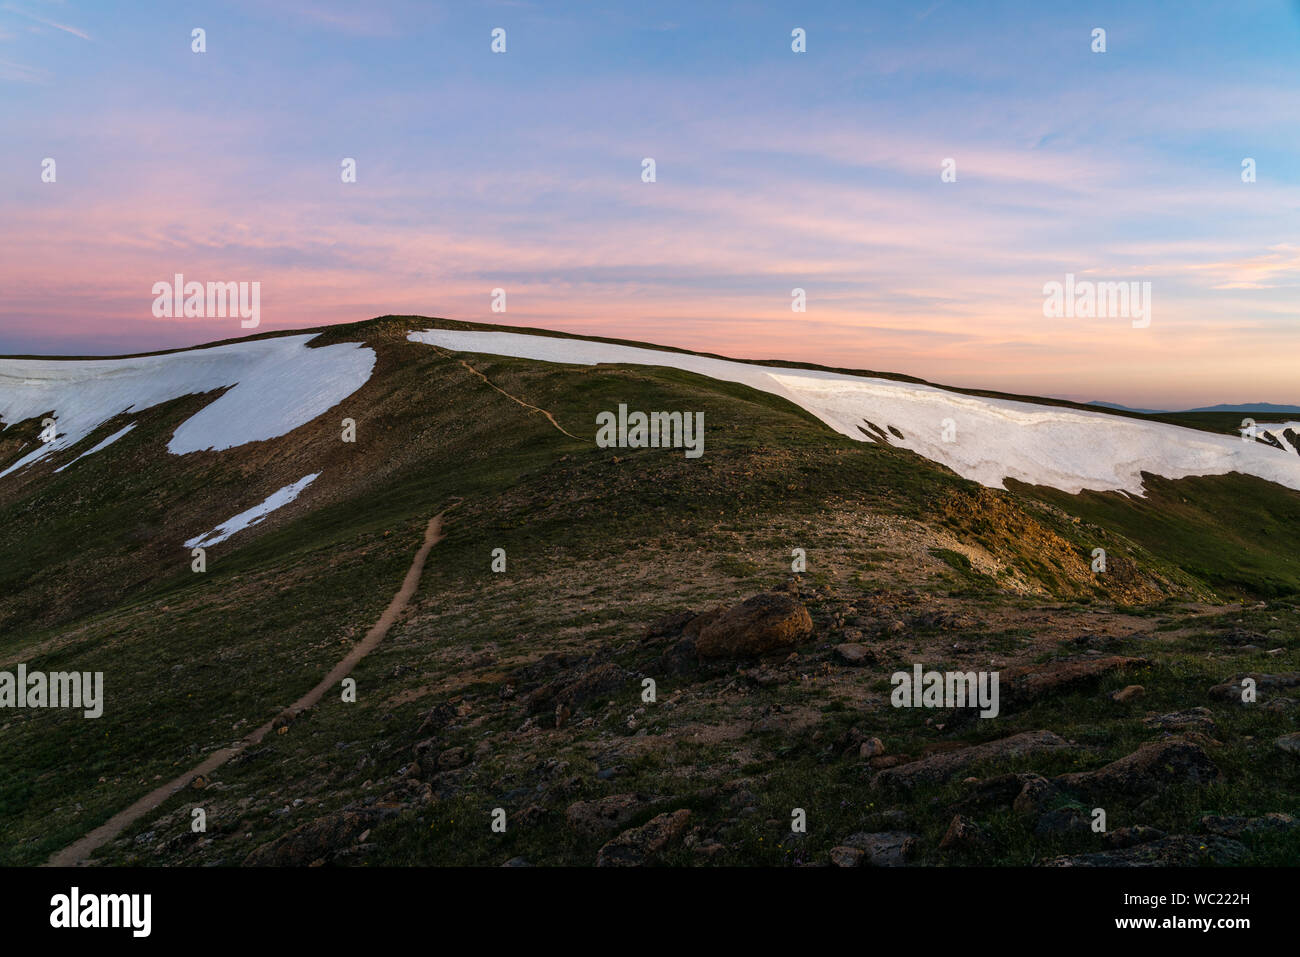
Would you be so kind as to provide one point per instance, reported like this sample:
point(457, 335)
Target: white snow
point(1276, 430)
point(101, 445)
point(278, 384)
point(253, 515)
point(994, 439)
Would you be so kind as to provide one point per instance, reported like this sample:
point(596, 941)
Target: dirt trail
point(79, 851)
point(513, 398)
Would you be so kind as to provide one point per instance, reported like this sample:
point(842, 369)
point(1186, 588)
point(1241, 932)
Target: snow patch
point(995, 439)
point(254, 515)
point(273, 386)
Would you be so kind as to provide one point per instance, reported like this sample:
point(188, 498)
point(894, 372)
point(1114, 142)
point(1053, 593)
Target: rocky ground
point(771, 739)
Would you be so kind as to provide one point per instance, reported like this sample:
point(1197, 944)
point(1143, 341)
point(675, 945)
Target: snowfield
point(991, 439)
point(274, 386)
point(253, 515)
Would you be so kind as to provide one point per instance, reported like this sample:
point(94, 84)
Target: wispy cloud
point(19, 73)
point(10, 8)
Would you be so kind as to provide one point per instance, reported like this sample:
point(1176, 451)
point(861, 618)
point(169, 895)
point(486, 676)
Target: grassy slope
point(229, 649)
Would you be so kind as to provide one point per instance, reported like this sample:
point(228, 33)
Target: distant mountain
point(1250, 408)
point(1125, 408)
point(1258, 408)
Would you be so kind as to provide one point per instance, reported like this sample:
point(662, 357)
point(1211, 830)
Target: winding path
point(79, 851)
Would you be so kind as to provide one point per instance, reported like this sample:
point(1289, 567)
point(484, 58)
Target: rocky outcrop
point(1178, 851)
point(941, 767)
point(1145, 772)
point(643, 845)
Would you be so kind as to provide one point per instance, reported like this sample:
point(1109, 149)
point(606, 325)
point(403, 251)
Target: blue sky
point(775, 170)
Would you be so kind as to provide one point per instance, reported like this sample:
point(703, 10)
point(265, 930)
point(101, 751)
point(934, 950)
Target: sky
point(774, 171)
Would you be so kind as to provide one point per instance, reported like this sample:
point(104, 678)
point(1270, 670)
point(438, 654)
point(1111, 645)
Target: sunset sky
point(775, 170)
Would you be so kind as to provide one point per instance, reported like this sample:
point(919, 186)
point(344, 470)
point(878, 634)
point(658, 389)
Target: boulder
point(766, 623)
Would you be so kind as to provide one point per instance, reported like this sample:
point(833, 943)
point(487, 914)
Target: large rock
point(768, 622)
point(941, 767)
point(1145, 772)
point(641, 845)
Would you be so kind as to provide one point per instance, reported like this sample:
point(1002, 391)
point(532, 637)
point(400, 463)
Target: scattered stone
point(516, 862)
point(1123, 837)
point(768, 622)
point(852, 653)
point(641, 845)
point(843, 856)
point(870, 748)
point(1128, 693)
point(963, 834)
